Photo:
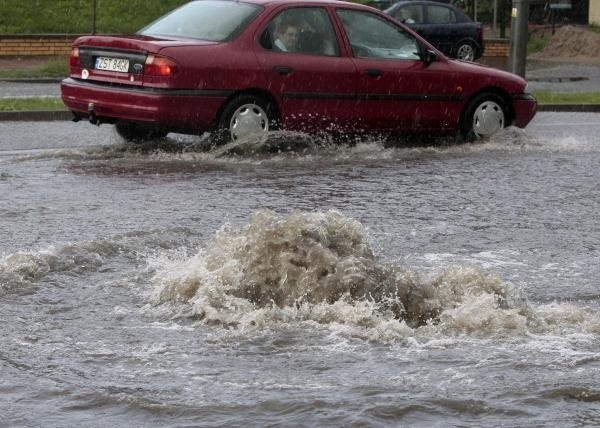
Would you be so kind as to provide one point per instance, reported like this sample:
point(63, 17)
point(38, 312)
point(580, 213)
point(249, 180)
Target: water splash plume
point(321, 267)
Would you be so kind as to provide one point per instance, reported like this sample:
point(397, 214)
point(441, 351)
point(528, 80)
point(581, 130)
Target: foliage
point(23, 104)
point(537, 43)
point(54, 67)
point(546, 97)
point(75, 16)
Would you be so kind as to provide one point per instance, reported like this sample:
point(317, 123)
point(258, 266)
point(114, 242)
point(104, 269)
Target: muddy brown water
point(363, 284)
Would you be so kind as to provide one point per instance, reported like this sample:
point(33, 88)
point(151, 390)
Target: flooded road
point(367, 284)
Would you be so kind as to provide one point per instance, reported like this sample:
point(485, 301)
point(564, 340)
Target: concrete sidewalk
point(563, 77)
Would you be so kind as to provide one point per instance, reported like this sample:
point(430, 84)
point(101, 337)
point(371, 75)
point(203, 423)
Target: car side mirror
point(429, 56)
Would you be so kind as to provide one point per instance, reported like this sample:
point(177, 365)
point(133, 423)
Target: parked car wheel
point(465, 50)
point(247, 116)
point(134, 133)
point(485, 115)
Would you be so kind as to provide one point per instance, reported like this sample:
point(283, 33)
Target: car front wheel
point(465, 51)
point(484, 116)
point(246, 117)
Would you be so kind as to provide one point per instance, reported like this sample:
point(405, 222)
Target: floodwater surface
point(300, 283)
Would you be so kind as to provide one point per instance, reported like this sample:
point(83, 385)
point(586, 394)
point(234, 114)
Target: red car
point(243, 68)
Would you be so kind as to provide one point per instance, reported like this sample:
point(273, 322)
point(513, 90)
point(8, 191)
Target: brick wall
point(35, 45)
point(41, 45)
point(497, 48)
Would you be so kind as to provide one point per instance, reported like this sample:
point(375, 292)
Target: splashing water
point(320, 267)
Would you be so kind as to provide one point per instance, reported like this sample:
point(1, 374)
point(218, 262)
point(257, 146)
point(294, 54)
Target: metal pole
point(93, 16)
point(519, 34)
point(495, 25)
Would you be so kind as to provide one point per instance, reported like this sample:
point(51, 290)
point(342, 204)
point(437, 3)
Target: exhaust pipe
point(92, 116)
point(94, 119)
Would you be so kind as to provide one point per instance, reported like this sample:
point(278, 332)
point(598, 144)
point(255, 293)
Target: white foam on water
point(23, 268)
point(282, 146)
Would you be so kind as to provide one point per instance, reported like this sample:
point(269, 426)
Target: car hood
point(512, 83)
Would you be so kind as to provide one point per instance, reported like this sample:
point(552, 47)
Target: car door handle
point(283, 70)
point(373, 72)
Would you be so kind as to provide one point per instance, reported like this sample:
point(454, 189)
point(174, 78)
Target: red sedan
point(243, 68)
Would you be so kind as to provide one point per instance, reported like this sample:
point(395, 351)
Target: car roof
point(304, 3)
point(399, 2)
point(332, 2)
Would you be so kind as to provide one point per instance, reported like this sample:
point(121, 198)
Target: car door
point(397, 90)
point(314, 84)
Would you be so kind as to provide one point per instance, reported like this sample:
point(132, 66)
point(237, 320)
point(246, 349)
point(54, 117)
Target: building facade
point(594, 17)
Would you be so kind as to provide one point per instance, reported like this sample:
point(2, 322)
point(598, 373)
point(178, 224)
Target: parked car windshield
point(205, 20)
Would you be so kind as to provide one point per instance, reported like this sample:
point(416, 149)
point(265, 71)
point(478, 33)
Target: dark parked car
point(384, 4)
point(243, 68)
point(446, 27)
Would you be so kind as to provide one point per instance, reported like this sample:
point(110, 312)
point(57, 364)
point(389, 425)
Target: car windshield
point(205, 20)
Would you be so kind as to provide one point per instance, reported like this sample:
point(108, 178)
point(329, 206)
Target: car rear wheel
point(484, 116)
point(245, 117)
point(466, 51)
point(134, 133)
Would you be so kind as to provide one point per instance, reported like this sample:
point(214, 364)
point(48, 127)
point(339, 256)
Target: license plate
point(112, 64)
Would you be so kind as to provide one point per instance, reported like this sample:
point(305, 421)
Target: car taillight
point(159, 66)
point(74, 59)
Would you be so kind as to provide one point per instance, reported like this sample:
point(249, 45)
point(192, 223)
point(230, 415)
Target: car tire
point(466, 51)
point(134, 133)
point(485, 115)
point(244, 117)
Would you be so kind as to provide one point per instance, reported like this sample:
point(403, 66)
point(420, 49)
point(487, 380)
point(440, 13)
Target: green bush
point(75, 16)
point(537, 43)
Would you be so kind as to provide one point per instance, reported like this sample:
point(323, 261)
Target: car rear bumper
point(525, 108)
point(177, 109)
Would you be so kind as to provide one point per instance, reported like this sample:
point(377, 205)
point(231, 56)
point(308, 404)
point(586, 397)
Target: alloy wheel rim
point(466, 52)
point(249, 120)
point(488, 119)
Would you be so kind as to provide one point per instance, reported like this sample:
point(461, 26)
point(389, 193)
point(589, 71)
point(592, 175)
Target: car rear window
point(205, 20)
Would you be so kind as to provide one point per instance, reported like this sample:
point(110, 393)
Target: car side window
point(301, 30)
point(440, 15)
point(371, 36)
point(409, 14)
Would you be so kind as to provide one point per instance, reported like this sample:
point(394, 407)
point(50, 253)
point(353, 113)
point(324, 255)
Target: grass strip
point(547, 97)
point(57, 67)
point(25, 104)
point(75, 16)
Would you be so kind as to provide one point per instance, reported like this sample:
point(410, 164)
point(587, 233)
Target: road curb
point(570, 108)
point(35, 116)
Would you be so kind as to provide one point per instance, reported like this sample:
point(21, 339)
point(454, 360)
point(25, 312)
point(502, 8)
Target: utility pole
point(93, 17)
point(519, 33)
